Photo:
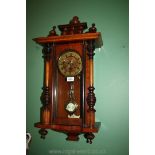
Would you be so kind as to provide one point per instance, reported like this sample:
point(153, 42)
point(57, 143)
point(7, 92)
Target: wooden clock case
point(55, 87)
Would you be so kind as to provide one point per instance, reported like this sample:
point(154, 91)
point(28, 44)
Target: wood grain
point(71, 38)
point(55, 93)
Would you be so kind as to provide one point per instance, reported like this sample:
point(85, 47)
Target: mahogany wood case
point(56, 87)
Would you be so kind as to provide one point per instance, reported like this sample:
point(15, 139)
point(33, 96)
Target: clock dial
point(70, 63)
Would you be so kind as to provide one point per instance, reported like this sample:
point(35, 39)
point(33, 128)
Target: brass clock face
point(70, 63)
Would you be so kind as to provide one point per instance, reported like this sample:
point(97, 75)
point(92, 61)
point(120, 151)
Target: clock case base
point(72, 132)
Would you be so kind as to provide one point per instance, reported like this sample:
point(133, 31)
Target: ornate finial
point(43, 133)
point(93, 28)
point(74, 27)
point(89, 137)
point(75, 20)
point(53, 32)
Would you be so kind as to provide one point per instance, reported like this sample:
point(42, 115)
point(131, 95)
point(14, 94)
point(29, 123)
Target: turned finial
point(93, 28)
point(75, 20)
point(53, 32)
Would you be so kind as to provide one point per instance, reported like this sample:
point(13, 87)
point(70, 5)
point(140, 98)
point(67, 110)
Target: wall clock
point(68, 97)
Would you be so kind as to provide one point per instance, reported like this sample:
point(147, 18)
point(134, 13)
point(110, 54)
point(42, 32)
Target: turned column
point(45, 96)
point(91, 99)
point(45, 113)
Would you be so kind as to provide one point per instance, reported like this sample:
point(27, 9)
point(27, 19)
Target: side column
point(91, 99)
point(45, 110)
